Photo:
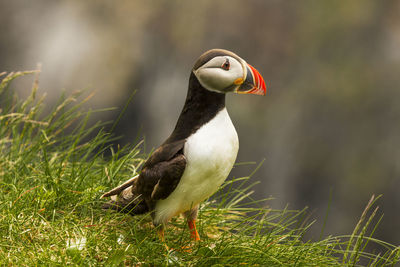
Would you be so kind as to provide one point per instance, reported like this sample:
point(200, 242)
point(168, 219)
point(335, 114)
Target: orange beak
point(253, 84)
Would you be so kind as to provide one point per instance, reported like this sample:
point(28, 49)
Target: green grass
point(53, 168)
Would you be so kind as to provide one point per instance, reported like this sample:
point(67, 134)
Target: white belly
point(210, 155)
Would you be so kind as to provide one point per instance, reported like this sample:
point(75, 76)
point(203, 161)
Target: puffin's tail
point(124, 199)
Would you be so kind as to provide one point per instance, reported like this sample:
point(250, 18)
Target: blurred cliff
point(330, 121)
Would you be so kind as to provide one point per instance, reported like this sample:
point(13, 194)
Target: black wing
point(162, 172)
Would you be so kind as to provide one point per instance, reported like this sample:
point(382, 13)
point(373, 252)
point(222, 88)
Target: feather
point(117, 190)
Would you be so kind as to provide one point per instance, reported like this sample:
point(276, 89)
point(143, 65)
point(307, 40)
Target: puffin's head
point(222, 71)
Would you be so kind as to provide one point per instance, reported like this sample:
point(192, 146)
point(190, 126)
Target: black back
point(200, 107)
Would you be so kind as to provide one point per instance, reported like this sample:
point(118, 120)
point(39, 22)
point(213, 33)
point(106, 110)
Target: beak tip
point(259, 83)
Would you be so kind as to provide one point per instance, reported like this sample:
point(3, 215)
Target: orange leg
point(160, 233)
point(193, 232)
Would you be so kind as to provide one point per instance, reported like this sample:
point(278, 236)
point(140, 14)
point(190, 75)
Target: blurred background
point(330, 121)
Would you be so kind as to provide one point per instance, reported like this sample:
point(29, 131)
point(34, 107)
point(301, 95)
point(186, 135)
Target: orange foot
point(160, 233)
point(194, 235)
point(193, 231)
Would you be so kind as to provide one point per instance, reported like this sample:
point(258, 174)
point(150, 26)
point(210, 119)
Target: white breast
point(210, 155)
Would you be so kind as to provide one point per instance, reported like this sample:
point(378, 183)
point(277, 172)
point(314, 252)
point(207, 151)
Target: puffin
point(198, 156)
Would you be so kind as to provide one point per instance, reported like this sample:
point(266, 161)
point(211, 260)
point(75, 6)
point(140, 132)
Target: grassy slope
point(51, 176)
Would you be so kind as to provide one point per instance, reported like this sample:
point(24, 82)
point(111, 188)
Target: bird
point(198, 156)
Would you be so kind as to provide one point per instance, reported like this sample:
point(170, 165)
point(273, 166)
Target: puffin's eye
point(226, 65)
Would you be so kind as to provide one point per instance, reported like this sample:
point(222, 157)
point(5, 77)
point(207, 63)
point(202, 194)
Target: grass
point(54, 167)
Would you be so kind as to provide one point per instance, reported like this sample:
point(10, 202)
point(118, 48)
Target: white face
point(221, 74)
